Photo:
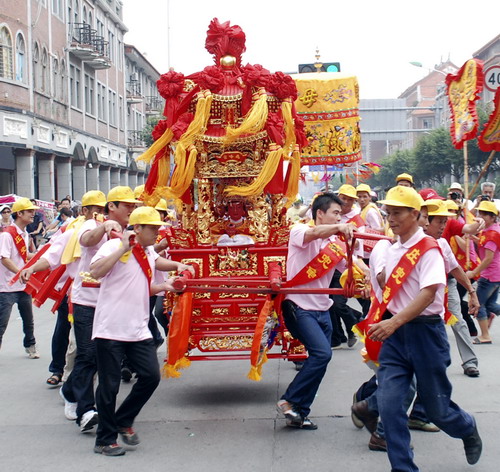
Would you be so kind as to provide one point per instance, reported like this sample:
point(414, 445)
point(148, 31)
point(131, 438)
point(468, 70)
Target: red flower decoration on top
point(159, 129)
point(223, 39)
point(211, 78)
point(300, 133)
point(170, 84)
point(256, 75)
point(181, 125)
point(283, 86)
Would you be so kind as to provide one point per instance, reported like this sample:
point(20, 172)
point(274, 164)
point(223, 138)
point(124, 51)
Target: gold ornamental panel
point(233, 262)
point(193, 260)
point(280, 259)
point(225, 343)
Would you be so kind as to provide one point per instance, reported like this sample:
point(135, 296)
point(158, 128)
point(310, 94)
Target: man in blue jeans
point(414, 337)
point(311, 256)
point(14, 253)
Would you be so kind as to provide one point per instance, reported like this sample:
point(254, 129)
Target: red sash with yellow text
point(320, 265)
point(489, 236)
point(18, 242)
point(357, 221)
point(142, 258)
point(398, 276)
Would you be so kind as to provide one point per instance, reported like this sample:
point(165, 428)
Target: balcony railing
point(85, 43)
point(154, 105)
point(135, 140)
point(134, 91)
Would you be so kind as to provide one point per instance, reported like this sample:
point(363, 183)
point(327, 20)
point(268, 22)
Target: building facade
point(63, 98)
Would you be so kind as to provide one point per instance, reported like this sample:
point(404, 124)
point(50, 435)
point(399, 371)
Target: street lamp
point(419, 64)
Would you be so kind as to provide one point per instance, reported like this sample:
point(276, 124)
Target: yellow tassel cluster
point(254, 120)
point(290, 140)
point(293, 182)
point(255, 372)
point(156, 147)
point(172, 371)
point(184, 168)
point(265, 176)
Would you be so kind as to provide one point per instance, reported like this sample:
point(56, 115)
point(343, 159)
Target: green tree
point(146, 135)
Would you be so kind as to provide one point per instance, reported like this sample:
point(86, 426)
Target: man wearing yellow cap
point(437, 220)
point(79, 388)
point(120, 328)
point(64, 249)
point(405, 180)
point(414, 336)
point(340, 310)
point(14, 253)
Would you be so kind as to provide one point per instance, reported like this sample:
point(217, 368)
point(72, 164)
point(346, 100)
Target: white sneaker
point(88, 421)
point(69, 407)
point(32, 352)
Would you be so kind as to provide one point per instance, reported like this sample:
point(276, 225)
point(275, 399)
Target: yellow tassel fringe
point(266, 174)
point(254, 120)
point(156, 147)
point(290, 140)
point(293, 182)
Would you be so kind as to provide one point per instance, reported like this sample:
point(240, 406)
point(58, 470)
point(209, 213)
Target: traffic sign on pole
point(492, 78)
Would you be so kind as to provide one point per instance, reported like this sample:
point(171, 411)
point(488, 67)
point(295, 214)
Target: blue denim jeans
point(314, 330)
point(24, 304)
point(60, 339)
point(419, 349)
point(79, 387)
point(487, 293)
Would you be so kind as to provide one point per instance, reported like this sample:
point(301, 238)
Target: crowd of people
point(439, 250)
point(119, 267)
point(116, 262)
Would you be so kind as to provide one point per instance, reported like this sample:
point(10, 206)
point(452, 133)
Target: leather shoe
point(377, 443)
point(473, 447)
point(471, 371)
point(360, 412)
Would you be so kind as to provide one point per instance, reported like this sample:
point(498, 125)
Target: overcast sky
point(372, 39)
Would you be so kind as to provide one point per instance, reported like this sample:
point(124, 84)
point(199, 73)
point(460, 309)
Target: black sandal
point(54, 380)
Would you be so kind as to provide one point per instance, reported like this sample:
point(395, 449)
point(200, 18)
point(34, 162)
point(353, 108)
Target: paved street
point(214, 419)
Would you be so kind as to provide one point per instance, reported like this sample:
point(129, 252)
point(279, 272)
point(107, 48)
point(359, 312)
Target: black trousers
point(142, 356)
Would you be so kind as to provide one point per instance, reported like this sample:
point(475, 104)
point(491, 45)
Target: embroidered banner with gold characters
point(328, 102)
point(490, 137)
point(463, 90)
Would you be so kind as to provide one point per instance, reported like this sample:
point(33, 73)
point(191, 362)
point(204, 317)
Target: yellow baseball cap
point(442, 209)
point(145, 216)
point(138, 191)
point(122, 194)
point(403, 197)
point(489, 207)
point(404, 176)
point(451, 205)
point(161, 205)
point(94, 198)
point(22, 204)
point(363, 188)
point(431, 204)
point(348, 191)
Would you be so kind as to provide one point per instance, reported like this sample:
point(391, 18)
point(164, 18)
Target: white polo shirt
point(122, 311)
point(377, 265)
point(429, 270)
point(300, 254)
point(86, 295)
point(9, 250)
